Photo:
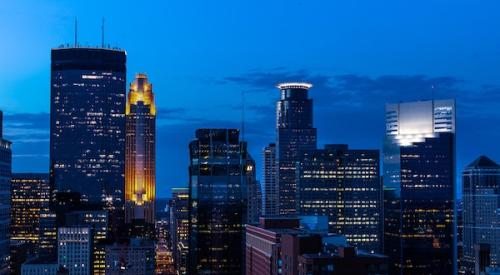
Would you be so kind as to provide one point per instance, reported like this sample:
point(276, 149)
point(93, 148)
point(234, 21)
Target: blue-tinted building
point(343, 184)
point(481, 215)
point(419, 187)
point(87, 124)
point(5, 174)
point(220, 169)
point(295, 133)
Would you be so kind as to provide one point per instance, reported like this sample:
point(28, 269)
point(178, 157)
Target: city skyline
point(351, 83)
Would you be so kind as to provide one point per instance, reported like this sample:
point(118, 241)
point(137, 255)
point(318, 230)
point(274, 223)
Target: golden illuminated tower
point(140, 176)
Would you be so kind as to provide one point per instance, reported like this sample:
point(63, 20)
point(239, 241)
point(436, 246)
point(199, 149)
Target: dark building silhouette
point(5, 174)
point(87, 125)
point(419, 187)
point(179, 227)
point(220, 169)
point(343, 184)
point(271, 187)
point(295, 133)
point(140, 153)
point(481, 216)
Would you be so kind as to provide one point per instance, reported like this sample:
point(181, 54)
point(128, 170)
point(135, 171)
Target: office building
point(342, 261)
point(343, 184)
point(87, 125)
point(219, 175)
point(140, 173)
point(263, 244)
point(295, 133)
point(97, 222)
point(30, 196)
point(419, 187)
point(136, 256)
point(179, 227)
point(5, 174)
point(271, 187)
point(481, 215)
point(74, 251)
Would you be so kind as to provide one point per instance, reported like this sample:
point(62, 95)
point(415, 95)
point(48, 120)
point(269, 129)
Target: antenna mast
point(102, 33)
point(76, 32)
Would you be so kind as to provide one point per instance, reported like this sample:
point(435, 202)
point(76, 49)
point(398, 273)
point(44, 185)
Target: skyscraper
point(419, 187)
point(295, 133)
point(5, 174)
point(140, 170)
point(30, 196)
point(343, 184)
point(179, 227)
point(481, 213)
point(271, 188)
point(217, 207)
point(87, 124)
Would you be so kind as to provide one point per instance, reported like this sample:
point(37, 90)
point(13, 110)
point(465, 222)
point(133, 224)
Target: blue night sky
point(201, 55)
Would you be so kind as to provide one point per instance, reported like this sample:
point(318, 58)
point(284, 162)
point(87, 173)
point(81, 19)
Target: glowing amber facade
point(140, 151)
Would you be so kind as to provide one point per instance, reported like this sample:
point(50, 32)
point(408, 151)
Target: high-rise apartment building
point(295, 133)
point(481, 214)
point(140, 173)
point(219, 169)
point(5, 174)
point(345, 185)
point(179, 227)
point(271, 187)
point(419, 187)
point(87, 125)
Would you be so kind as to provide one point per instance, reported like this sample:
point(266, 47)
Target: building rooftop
point(483, 162)
point(294, 85)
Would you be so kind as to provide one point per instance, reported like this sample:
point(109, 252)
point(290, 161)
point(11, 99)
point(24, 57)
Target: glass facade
point(87, 125)
point(343, 184)
point(5, 174)
point(481, 216)
point(419, 187)
point(295, 133)
point(220, 169)
point(140, 172)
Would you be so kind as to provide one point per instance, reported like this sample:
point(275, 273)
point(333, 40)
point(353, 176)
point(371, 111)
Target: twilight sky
point(201, 55)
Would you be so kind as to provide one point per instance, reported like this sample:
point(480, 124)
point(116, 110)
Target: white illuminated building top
point(412, 122)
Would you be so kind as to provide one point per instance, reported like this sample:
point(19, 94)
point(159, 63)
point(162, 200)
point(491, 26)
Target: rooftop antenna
point(76, 32)
point(102, 33)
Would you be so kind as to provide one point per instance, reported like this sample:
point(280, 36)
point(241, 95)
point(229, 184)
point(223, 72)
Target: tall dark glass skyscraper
point(271, 188)
point(343, 184)
point(140, 152)
point(295, 133)
point(5, 174)
point(481, 215)
point(419, 187)
point(220, 169)
point(87, 124)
